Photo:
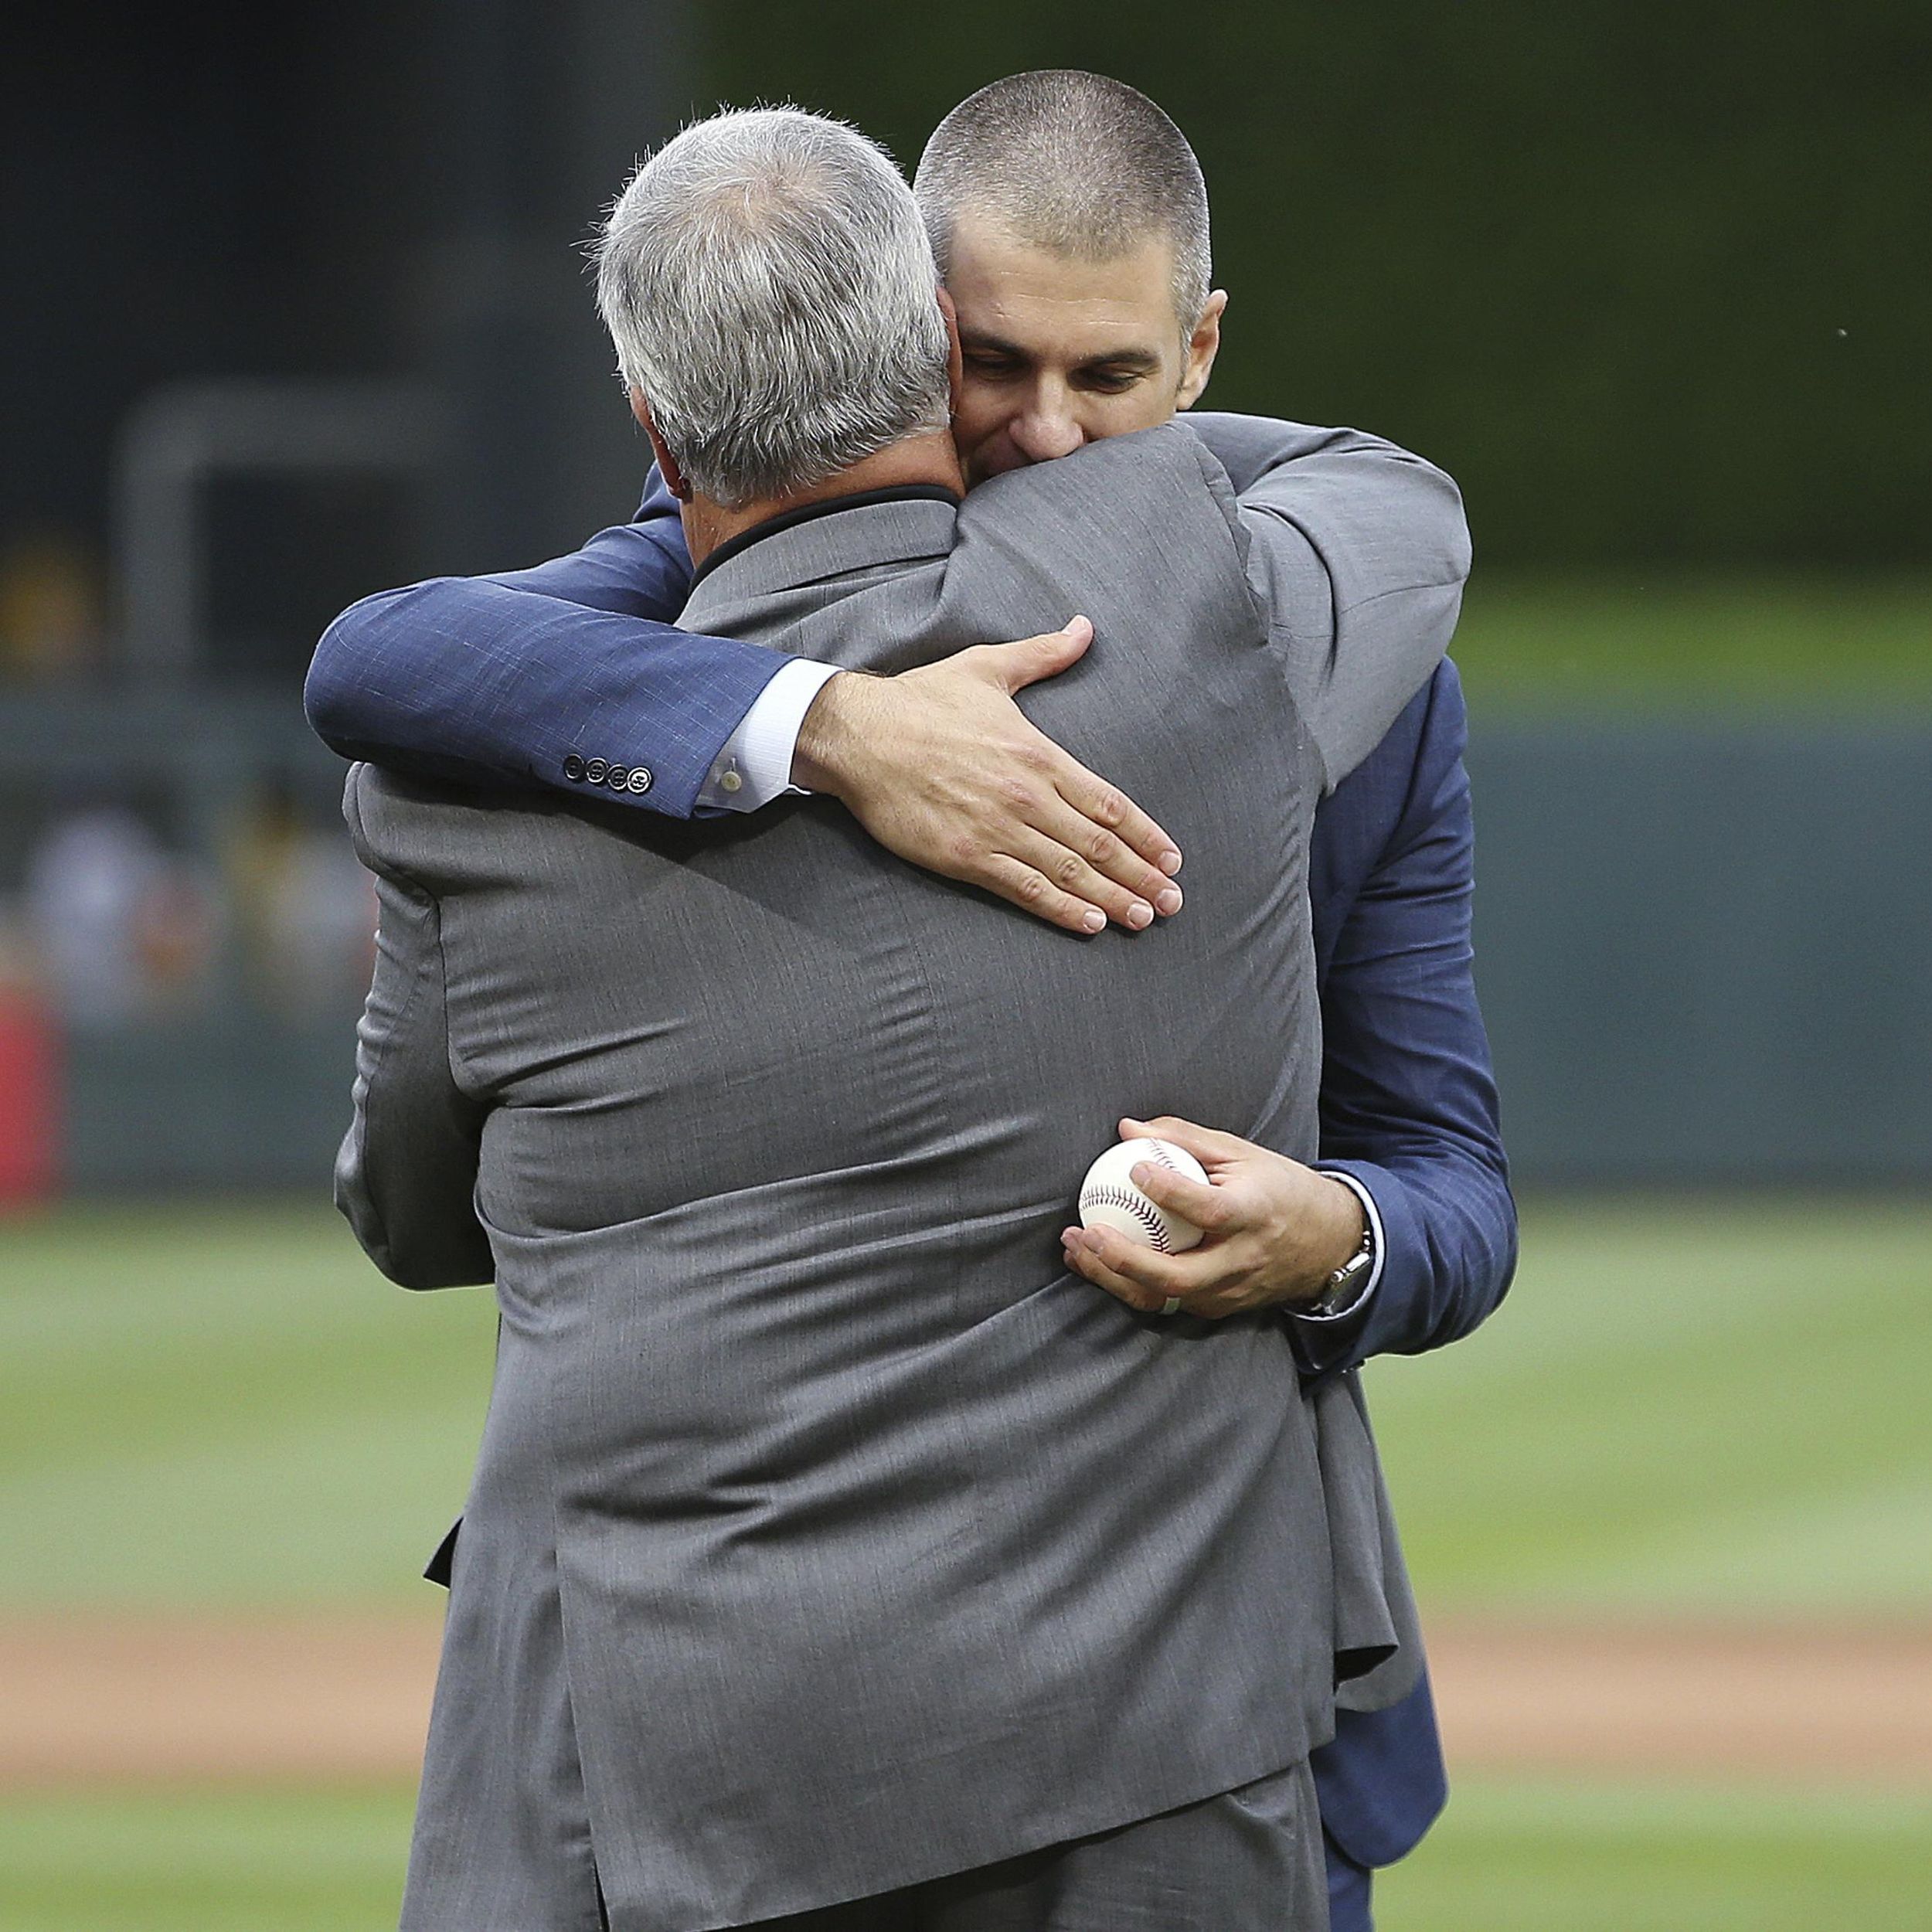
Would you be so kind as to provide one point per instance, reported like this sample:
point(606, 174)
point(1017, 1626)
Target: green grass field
point(1692, 642)
point(230, 1408)
point(1622, 1858)
point(1672, 1413)
point(1576, 1858)
point(1693, 1406)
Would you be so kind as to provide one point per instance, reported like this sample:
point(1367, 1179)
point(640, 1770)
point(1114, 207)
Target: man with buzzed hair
point(1077, 325)
point(1065, 207)
point(1085, 167)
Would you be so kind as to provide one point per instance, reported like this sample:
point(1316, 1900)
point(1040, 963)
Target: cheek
point(973, 411)
point(982, 414)
point(1141, 408)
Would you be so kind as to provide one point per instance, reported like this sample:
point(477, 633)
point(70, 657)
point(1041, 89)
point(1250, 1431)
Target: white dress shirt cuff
point(1368, 1208)
point(755, 765)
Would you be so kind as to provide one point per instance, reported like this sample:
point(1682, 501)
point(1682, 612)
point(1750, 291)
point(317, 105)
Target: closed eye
point(1110, 378)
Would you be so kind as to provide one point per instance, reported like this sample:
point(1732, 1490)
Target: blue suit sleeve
point(1408, 1096)
point(497, 681)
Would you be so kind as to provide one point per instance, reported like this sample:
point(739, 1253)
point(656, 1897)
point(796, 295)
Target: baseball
point(1109, 1200)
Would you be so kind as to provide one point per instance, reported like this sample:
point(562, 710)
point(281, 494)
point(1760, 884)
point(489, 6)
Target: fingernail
point(1168, 898)
point(1170, 861)
point(1093, 919)
point(1139, 914)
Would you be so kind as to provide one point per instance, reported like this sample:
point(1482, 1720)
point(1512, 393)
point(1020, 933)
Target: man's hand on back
point(942, 768)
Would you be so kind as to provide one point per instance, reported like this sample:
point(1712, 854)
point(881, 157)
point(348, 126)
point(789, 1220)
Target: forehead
point(1006, 286)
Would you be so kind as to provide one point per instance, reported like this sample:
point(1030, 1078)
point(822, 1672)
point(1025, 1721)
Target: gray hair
point(767, 280)
point(1073, 162)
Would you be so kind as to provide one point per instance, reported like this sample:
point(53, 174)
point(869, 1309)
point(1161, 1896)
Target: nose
point(1047, 430)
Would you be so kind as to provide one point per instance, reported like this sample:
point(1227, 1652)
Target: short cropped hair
point(1075, 163)
point(767, 280)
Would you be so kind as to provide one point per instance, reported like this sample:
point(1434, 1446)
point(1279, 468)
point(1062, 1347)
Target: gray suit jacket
point(825, 1535)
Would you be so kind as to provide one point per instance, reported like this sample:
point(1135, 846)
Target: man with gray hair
point(832, 1551)
point(748, 422)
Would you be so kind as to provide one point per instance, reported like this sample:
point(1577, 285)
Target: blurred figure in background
point(124, 929)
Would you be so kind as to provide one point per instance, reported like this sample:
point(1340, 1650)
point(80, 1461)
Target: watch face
point(1346, 1282)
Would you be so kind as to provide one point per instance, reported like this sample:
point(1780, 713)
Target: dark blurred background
point(295, 307)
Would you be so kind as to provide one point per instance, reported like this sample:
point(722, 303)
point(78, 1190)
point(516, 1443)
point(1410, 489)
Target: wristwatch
point(1339, 1291)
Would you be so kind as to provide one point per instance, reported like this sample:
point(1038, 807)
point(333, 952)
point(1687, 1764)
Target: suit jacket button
point(593, 772)
point(573, 768)
point(639, 782)
point(618, 778)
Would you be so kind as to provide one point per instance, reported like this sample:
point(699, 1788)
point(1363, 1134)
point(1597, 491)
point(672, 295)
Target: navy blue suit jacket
point(1409, 1107)
point(503, 678)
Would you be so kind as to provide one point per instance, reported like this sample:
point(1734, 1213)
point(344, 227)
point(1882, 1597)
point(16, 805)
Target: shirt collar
point(826, 506)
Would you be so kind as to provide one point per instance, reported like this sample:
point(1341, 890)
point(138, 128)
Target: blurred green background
point(1651, 281)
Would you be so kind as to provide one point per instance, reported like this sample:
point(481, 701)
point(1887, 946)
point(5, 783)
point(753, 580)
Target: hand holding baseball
point(1273, 1230)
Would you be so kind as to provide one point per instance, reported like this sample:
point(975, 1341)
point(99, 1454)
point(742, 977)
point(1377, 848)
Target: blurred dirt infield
point(85, 1699)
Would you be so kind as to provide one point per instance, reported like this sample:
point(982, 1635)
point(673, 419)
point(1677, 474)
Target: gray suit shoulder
point(1251, 449)
point(1357, 549)
point(1115, 489)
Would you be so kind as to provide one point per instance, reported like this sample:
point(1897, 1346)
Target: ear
point(1202, 347)
point(955, 360)
point(674, 478)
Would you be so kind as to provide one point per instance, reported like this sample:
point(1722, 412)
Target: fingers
point(1074, 864)
point(1087, 1252)
point(1032, 892)
point(1094, 841)
point(942, 768)
point(1210, 1282)
point(1108, 809)
point(1088, 831)
point(1207, 1206)
point(1097, 806)
point(1014, 666)
point(1208, 1145)
point(1130, 895)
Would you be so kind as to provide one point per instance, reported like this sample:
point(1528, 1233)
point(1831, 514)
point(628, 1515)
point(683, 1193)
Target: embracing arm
point(406, 1177)
point(524, 678)
point(566, 677)
point(1408, 1106)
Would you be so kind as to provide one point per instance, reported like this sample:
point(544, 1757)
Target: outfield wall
point(1703, 949)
